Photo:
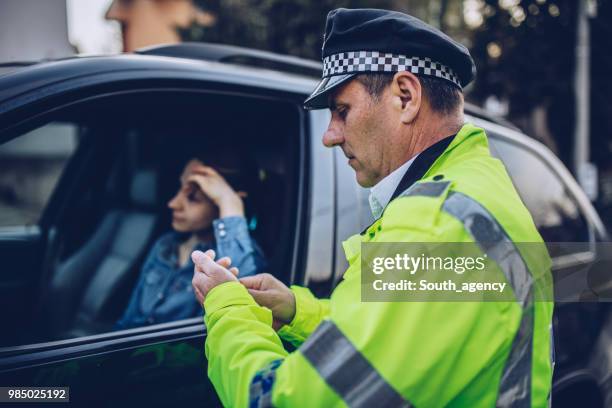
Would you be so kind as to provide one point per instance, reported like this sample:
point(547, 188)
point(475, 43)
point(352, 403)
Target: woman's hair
point(236, 167)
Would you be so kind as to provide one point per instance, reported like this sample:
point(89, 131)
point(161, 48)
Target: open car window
point(111, 214)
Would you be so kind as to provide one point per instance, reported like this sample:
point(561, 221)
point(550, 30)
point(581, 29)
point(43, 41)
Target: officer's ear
point(406, 93)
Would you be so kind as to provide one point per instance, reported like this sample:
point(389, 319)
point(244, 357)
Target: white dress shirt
point(381, 193)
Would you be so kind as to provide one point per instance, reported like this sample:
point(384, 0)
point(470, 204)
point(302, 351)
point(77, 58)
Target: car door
point(155, 365)
point(573, 232)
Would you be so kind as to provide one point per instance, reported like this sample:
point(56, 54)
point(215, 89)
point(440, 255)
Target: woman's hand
point(217, 189)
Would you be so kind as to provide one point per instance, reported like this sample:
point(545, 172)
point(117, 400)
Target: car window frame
point(44, 352)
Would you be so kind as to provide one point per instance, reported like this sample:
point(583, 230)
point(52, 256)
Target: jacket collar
point(422, 163)
point(419, 168)
point(427, 159)
point(436, 157)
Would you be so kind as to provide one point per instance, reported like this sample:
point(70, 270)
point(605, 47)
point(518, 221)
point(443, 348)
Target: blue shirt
point(164, 292)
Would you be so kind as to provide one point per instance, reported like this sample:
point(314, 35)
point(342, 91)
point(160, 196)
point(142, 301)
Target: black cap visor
point(319, 99)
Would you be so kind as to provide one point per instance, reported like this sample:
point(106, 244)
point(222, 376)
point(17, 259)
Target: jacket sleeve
point(240, 341)
point(309, 313)
point(427, 351)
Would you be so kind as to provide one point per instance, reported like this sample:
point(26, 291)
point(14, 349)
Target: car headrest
point(143, 192)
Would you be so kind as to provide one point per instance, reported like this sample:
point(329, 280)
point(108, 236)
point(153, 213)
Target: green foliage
point(292, 27)
point(537, 56)
point(537, 66)
point(601, 86)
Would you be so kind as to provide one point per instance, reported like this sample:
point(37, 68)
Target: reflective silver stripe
point(427, 189)
point(493, 241)
point(347, 371)
point(515, 383)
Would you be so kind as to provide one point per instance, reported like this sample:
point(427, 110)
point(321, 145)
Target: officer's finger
point(213, 269)
point(198, 257)
point(196, 283)
point(234, 271)
point(209, 266)
point(210, 253)
point(225, 262)
point(252, 282)
point(262, 297)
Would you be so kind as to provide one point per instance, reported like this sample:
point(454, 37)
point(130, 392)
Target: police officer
point(394, 88)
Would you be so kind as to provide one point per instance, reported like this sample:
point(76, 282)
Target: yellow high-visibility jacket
point(430, 354)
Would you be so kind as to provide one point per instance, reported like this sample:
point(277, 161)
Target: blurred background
point(542, 64)
point(83, 188)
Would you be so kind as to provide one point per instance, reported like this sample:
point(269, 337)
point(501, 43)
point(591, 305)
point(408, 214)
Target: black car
point(90, 151)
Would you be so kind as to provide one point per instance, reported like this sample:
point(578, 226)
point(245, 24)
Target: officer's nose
point(333, 135)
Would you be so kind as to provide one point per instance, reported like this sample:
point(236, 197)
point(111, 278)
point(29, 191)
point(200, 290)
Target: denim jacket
point(164, 292)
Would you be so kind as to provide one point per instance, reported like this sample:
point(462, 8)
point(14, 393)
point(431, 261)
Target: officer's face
point(361, 127)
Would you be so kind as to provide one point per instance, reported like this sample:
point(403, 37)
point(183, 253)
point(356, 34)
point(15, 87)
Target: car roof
point(216, 62)
point(38, 77)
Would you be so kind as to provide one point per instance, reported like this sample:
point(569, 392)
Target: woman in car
point(206, 214)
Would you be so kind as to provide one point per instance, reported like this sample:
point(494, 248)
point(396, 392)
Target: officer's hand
point(208, 274)
point(273, 294)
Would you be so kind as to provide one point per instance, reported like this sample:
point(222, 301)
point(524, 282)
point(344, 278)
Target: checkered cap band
point(369, 61)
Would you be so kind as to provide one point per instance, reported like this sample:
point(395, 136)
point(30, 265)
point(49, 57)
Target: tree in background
point(524, 51)
point(294, 27)
point(601, 105)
